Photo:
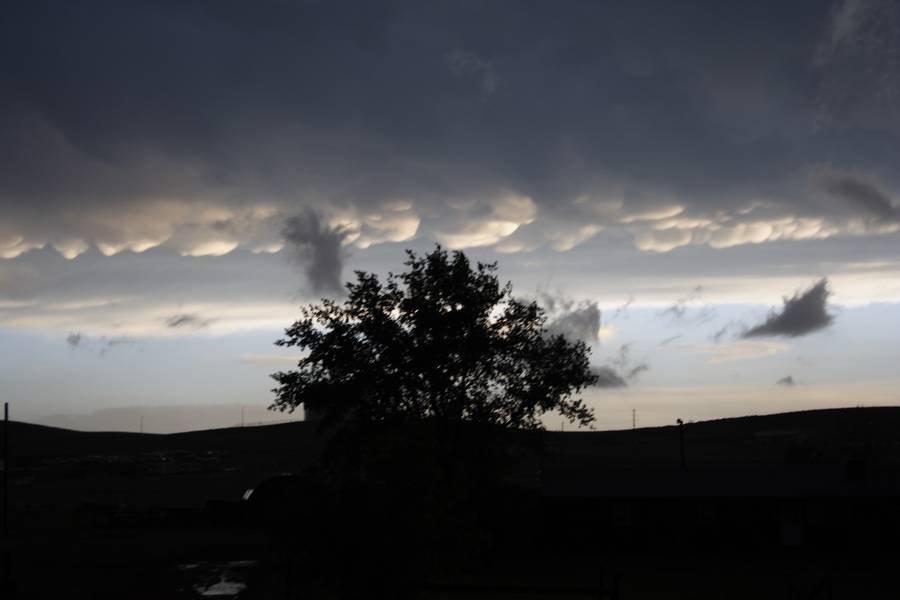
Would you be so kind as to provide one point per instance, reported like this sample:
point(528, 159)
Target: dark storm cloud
point(574, 321)
point(787, 381)
point(865, 196)
point(620, 369)
point(607, 377)
point(625, 364)
point(318, 248)
point(802, 314)
point(187, 321)
point(348, 105)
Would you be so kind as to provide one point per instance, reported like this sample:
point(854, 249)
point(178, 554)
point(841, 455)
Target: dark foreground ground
point(797, 505)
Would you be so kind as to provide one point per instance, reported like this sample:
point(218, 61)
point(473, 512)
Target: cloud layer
point(674, 128)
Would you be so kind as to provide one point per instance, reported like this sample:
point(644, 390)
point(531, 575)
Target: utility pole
point(242, 416)
point(681, 436)
point(6, 472)
point(634, 452)
point(142, 423)
point(7, 576)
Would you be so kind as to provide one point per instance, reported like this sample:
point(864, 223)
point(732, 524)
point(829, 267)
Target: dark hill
point(114, 508)
point(753, 438)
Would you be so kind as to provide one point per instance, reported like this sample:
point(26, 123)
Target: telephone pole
point(634, 418)
point(7, 575)
point(6, 472)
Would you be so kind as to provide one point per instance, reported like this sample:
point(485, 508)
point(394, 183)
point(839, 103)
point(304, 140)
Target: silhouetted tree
point(417, 373)
point(440, 341)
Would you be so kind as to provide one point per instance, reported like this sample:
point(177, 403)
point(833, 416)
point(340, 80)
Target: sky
point(704, 192)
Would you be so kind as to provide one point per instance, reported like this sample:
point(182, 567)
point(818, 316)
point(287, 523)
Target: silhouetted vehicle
point(276, 493)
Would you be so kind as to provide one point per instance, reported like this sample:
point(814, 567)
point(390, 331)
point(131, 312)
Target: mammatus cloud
point(318, 248)
point(493, 220)
point(787, 381)
point(187, 321)
point(101, 345)
point(607, 145)
point(755, 224)
point(805, 313)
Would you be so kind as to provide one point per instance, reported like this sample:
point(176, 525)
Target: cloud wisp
point(622, 309)
point(187, 321)
point(689, 308)
point(100, 345)
point(804, 313)
point(738, 350)
point(729, 329)
point(787, 381)
point(669, 340)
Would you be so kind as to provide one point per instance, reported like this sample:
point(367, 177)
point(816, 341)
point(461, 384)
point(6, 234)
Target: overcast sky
point(707, 193)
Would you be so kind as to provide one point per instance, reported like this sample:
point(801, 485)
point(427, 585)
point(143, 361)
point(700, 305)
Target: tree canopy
point(442, 340)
